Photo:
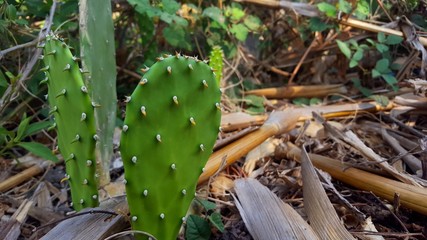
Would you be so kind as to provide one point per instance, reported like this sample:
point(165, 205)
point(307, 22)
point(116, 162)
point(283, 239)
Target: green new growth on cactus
point(172, 121)
point(216, 62)
point(73, 111)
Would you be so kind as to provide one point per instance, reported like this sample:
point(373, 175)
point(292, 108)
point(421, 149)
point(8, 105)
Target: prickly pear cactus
point(216, 62)
point(74, 118)
point(172, 121)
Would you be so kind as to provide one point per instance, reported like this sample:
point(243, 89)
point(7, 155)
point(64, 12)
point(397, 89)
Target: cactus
point(74, 118)
point(98, 57)
point(171, 124)
point(216, 62)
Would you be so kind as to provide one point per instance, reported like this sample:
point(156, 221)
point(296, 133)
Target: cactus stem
point(175, 100)
point(193, 122)
point(169, 69)
point(190, 66)
point(76, 139)
point(125, 128)
point(128, 98)
point(45, 68)
point(44, 81)
point(184, 192)
point(61, 93)
point(202, 147)
point(145, 193)
point(162, 215)
point(134, 218)
point(83, 117)
point(158, 138)
point(54, 109)
point(134, 159)
point(166, 55)
point(71, 157)
point(173, 166)
point(205, 83)
point(89, 163)
point(83, 89)
point(51, 53)
point(143, 111)
point(85, 182)
point(143, 81)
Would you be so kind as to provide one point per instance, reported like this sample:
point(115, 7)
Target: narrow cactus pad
point(217, 62)
point(172, 121)
point(74, 118)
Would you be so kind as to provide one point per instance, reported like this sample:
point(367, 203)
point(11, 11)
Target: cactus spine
point(74, 117)
point(216, 62)
point(172, 121)
point(98, 57)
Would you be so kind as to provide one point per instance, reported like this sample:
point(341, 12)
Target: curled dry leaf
point(220, 185)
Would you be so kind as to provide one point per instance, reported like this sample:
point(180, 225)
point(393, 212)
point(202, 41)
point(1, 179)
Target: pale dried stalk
point(411, 196)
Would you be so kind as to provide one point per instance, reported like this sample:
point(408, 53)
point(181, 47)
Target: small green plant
point(199, 227)
point(354, 52)
point(172, 121)
point(16, 138)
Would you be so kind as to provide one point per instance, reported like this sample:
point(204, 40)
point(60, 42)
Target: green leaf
point(315, 101)
point(36, 127)
point(358, 55)
point(382, 65)
point(10, 12)
point(365, 91)
point(381, 37)
point(239, 31)
point(170, 6)
point(391, 80)
point(344, 6)
point(252, 22)
point(21, 129)
point(345, 49)
point(327, 8)
point(215, 14)
point(197, 228)
point(382, 48)
point(235, 13)
point(301, 101)
point(208, 205)
point(382, 100)
point(176, 36)
point(375, 73)
point(39, 150)
point(393, 40)
point(362, 9)
point(316, 24)
point(215, 219)
point(353, 63)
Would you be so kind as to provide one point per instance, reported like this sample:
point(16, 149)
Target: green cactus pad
point(75, 121)
point(172, 121)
